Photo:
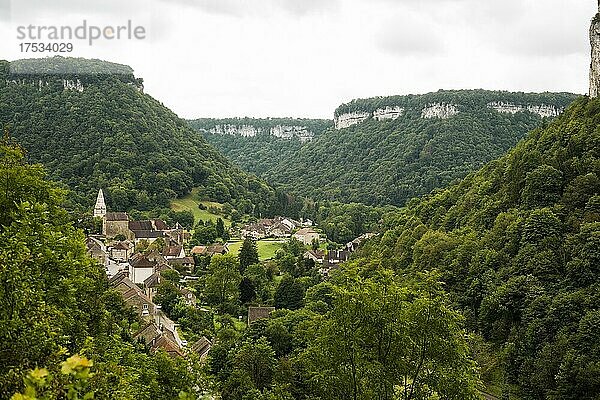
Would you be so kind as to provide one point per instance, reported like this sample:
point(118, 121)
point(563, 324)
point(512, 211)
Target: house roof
point(116, 216)
point(153, 280)
point(162, 267)
point(338, 255)
point(148, 333)
point(160, 225)
point(305, 231)
point(121, 246)
point(120, 277)
point(185, 292)
point(217, 248)
point(181, 261)
point(136, 293)
point(202, 346)
point(147, 234)
point(255, 313)
point(172, 251)
point(142, 262)
point(94, 244)
point(315, 254)
point(140, 225)
point(198, 249)
point(282, 226)
point(211, 250)
point(168, 345)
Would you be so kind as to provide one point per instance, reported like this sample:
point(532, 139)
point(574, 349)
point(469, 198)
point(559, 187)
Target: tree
point(171, 275)
point(204, 234)
point(388, 339)
point(257, 360)
point(248, 254)
point(167, 295)
point(223, 280)
point(247, 290)
point(289, 294)
point(220, 228)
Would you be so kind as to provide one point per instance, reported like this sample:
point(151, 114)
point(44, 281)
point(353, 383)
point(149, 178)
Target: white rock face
point(70, 84)
point(388, 113)
point(543, 110)
point(595, 64)
point(439, 110)
point(346, 120)
point(289, 132)
point(236, 130)
point(280, 131)
point(505, 108)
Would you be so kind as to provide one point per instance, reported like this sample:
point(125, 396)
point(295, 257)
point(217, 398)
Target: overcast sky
point(302, 58)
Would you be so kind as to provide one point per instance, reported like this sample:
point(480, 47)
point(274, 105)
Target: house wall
point(139, 275)
point(113, 228)
point(308, 238)
point(120, 254)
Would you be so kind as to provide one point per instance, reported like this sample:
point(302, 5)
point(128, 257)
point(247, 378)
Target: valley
point(414, 247)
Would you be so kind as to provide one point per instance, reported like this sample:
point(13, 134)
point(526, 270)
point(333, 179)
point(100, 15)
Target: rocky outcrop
point(68, 84)
point(290, 132)
point(388, 113)
point(72, 84)
point(439, 110)
point(236, 130)
point(543, 110)
point(595, 62)
point(280, 131)
point(346, 120)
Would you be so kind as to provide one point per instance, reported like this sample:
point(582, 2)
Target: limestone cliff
point(595, 63)
point(302, 129)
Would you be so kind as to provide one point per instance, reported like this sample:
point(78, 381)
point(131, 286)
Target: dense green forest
point(55, 303)
point(516, 245)
point(112, 136)
point(390, 162)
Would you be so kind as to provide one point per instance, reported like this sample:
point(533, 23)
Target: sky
point(303, 58)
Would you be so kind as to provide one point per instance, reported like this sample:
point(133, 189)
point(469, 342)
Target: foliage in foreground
point(55, 301)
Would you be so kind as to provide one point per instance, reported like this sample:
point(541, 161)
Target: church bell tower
point(100, 207)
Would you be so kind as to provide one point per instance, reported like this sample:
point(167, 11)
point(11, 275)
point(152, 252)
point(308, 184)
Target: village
point(139, 255)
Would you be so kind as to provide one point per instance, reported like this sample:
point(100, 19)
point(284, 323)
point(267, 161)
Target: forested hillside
point(381, 160)
point(266, 149)
point(517, 245)
point(55, 303)
point(97, 129)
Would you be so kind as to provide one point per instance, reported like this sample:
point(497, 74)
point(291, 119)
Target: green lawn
point(190, 203)
point(266, 248)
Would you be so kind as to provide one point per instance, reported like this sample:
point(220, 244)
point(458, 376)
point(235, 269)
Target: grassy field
point(266, 248)
point(189, 203)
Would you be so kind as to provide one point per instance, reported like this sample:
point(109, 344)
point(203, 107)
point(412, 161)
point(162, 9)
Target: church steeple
point(100, 207)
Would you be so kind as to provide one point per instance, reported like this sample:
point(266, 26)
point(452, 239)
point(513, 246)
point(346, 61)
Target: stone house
point(141, 267)
point(116, 223)
point(306, 236)
point(121, 251)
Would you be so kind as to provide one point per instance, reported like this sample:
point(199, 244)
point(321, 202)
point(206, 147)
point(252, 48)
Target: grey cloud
point(4, 10)
point(543, 43)
point(519, 34)
point(409, 36)
point(43, 8)
point(239, 8)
